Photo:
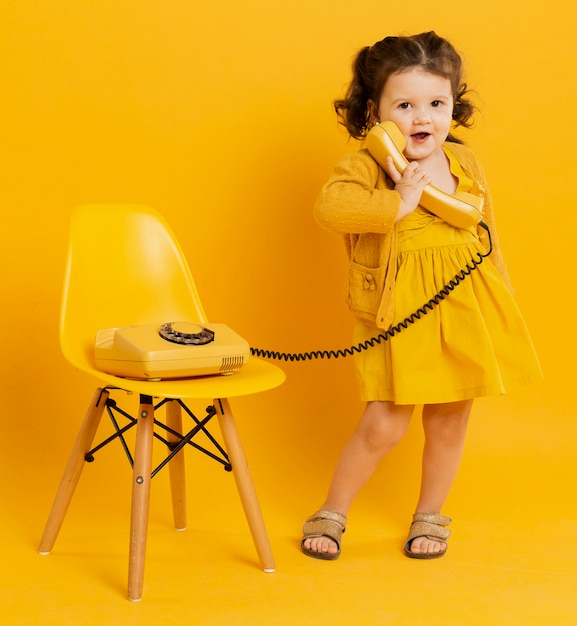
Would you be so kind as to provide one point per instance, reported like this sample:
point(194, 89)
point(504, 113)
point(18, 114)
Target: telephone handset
point(461, 209)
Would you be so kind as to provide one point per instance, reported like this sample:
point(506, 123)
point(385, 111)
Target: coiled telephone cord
point(390, 332)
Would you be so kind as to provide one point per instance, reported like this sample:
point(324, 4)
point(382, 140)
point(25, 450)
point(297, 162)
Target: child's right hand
point(409, 184)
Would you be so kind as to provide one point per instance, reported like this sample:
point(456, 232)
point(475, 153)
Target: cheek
point(444, 121)
point(401, 121)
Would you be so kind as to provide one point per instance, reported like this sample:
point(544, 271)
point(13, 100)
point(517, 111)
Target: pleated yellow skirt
point(473, 344)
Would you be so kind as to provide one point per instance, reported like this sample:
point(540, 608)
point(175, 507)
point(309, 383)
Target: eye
point(436, 103)
point(404, 105)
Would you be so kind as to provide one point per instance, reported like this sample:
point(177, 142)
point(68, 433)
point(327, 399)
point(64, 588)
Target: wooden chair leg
point(245, 484)
point(176, 467)
point(73, 470)
point(140, 497)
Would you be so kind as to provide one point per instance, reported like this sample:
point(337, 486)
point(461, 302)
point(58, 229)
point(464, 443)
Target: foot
point(428, 536)
point(322, 533)
point(423, 545)
point(322, 545)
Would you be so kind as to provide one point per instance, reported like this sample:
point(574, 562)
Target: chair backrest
point(124, 267)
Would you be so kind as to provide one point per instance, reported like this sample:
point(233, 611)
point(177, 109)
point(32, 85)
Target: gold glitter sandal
point(324, 523)
point(431, 526)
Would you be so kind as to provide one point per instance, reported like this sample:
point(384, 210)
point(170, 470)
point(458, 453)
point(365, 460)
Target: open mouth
point(420, 137)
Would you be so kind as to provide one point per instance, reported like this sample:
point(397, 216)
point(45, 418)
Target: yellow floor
point(520, 569)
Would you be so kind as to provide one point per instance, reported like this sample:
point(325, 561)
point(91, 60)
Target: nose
point(422, 116)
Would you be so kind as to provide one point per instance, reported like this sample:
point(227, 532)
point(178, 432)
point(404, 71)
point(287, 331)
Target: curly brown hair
point(374, 64)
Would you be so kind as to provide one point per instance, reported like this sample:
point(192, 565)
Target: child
point(474, 343)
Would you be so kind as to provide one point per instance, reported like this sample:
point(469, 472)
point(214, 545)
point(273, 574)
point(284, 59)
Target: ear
point(373, 113)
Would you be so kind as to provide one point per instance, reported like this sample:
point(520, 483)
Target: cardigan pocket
point(364, 290)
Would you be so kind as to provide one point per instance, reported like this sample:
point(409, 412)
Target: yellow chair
point(125, 268)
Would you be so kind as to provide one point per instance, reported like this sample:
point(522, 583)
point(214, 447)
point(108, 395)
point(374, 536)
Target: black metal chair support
point(174, 447)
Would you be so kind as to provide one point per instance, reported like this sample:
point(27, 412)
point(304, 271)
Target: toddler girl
point(474, 343)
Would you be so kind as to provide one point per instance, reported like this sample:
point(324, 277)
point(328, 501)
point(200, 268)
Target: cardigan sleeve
point(497, 254)
point(474, 169)
point(356, 199)
point(489, 219)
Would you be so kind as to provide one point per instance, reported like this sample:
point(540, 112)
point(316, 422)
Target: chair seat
point(255, 376)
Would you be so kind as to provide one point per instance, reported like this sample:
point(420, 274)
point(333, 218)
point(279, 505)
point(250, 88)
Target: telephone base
point(141, 353)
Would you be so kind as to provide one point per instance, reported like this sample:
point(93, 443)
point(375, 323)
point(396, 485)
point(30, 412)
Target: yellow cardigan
point(359, 202)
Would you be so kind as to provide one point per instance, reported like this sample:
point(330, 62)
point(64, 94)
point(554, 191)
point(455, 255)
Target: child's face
point(421, 104)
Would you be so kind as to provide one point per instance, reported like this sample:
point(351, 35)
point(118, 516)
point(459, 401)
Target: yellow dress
point(473, 344)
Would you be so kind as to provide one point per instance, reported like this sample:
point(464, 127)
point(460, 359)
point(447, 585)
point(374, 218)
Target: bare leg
point(381, 427)
point(445, 427)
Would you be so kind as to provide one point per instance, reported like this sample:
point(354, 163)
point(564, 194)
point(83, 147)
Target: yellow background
point(220, 116)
